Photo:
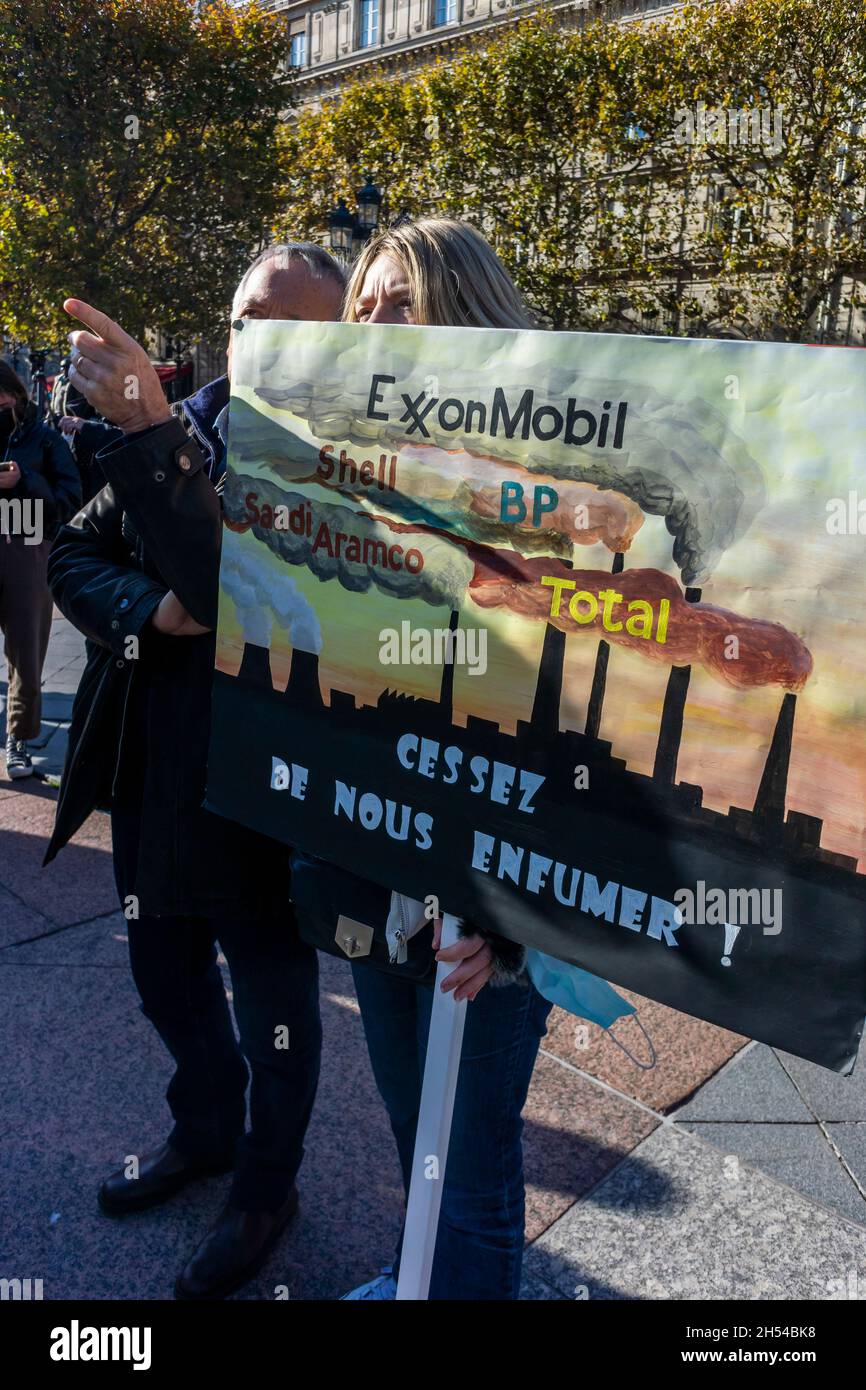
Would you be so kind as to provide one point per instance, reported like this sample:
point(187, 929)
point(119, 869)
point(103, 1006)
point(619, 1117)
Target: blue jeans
point(479, 1247)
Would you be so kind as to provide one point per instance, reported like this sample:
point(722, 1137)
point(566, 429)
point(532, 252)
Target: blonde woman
point(440, 271)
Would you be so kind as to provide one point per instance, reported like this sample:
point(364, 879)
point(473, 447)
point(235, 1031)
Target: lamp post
point(349, 231)
point(341, 225)
point(369, 203)
point(359, 239)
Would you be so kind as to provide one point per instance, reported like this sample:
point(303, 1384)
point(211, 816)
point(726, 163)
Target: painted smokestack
point(770, 801)
point(446, 689)
point(545, 706)
point(303, 686)
point(255, 667)
point(671, 728)
point(599, 675)
point(548, 688)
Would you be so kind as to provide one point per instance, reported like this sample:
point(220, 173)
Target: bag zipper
point(398, 938)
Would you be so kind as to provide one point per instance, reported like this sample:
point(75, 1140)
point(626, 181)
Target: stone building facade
point(332, 41)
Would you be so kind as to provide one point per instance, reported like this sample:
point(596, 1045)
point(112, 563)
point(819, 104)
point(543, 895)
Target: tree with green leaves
point(701, 171)
point(137, 163)
point(531, 137)
point(770, 95)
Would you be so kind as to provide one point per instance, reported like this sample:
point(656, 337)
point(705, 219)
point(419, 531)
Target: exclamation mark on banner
point(731, 934)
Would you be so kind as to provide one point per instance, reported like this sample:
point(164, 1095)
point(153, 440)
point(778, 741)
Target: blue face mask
point(576, 990)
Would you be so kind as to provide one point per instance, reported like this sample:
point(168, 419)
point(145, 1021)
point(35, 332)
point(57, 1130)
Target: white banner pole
point(441, 1066)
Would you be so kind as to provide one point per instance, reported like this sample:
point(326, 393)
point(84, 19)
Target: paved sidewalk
point(724, 1170)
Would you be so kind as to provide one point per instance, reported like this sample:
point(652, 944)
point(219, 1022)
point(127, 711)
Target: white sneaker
point(382, 1289)
point(18, 762)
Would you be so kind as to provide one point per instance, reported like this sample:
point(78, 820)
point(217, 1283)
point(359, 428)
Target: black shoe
point(18, 762)
point(160, 1175)
point(234, 1250)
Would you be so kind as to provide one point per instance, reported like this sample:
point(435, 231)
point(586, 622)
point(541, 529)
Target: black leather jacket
point(141, 717)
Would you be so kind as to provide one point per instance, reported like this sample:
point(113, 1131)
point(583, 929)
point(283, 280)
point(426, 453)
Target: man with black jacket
point(137, 572)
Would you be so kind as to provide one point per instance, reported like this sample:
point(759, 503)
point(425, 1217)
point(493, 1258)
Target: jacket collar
point(203, 409)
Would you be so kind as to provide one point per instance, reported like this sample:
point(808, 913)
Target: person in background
point(138, 573)
point(86, 436)
point(59, 392)
point(39, 489)
point(442, 271)
point(83, 429)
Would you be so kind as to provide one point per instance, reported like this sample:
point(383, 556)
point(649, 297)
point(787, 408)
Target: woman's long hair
point(12, 385)
point(455, 277)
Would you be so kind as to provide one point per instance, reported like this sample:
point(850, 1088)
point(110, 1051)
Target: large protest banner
point(567, 631)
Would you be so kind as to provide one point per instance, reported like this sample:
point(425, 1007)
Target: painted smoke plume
point(460, 492)
point(680, 460)
point(766, 653)
point(443, 580)
point(262, 597)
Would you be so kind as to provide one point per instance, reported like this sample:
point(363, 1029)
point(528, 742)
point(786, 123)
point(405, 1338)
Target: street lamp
point(359, 239)
point(369, 203)
point(349, 231)
point(341, 225)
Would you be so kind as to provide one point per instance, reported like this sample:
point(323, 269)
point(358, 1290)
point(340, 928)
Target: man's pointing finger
point(104, 327)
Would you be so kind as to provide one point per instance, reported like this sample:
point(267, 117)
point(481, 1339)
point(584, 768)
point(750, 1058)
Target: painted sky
point(792, 417)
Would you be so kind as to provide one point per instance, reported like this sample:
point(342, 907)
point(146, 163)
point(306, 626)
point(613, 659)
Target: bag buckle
point(353, 938)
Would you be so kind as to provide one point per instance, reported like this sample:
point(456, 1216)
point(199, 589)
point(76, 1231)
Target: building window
point(369, 27)
point(298, 50)
point(444, 12)
point(728, 222)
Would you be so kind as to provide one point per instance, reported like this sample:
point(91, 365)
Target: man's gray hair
point(319, 262)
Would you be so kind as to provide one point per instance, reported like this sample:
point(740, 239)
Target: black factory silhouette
point(768, 832)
